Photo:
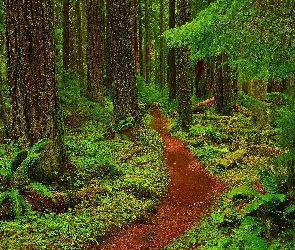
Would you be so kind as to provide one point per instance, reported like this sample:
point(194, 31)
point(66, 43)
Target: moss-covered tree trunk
point(122, 60)
point(95, 55)
point(183, 70)
point(34, 109)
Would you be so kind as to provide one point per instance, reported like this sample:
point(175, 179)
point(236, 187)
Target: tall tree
point(147, 42)
point(95, 55)
point(66, 34)
point(183, 69)
point(140, 38)
point(122, 60)
point(108, 48)
point(171, 72)
point(134, 36)
point(222, 86)
point(162, 44)
point(34, 111)
point(78, 25)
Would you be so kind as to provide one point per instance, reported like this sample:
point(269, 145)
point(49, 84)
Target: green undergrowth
point(116, 177)
point(248, 154)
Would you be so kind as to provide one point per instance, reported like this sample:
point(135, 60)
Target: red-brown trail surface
point(191, 191)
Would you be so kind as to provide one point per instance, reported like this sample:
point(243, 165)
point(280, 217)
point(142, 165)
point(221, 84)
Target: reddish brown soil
point(191, 191)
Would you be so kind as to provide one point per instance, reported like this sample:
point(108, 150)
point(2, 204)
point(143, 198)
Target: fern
point(43, 190)
point(32, 156)
point(289, 210)
point(3, 195)
point(244, 191)
point(255, 242)
point(18, 203)
point(268, 180)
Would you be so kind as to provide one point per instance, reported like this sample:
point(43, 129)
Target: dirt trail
point(191, 191)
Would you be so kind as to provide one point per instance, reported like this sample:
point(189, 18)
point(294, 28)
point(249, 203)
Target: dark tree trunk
point(66, 34)
point(140, 36)
point(171, 73)
point(183, 70)
point(122, 60)
point(73, 63)
point(222, 87)
point(80, 66)
point(199, 70)
point(217, 85)
point(162, 45)
point(227, 87)
point(134, 36)
point(147, 43)
point(34, 111)
point(95, 56)
point(108, 47)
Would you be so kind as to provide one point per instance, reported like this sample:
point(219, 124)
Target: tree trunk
point(147, 44)
point(140, 36)
point(183, 70)
point(108, 38)
point(171, 73)
point(122, 60)
point(95, 56)
point(80, 66)
point(162, 45)
point(222, 86)
point(34, 111)
point(134, 36)
point(66, 34)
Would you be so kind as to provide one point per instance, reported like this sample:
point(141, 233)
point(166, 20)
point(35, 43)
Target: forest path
point(191, 191)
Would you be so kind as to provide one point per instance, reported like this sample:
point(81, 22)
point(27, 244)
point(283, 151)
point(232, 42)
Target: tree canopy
point(257, 36)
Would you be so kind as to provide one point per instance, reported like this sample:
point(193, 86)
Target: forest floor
point(191, 191)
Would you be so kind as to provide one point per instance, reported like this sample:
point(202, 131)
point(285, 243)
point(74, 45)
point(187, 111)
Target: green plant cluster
point(116, 178)
point(254, 160)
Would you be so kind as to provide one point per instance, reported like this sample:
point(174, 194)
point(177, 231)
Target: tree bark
point(134, 36)
point(34, 109)
point(162, 45)
point(66, 34)
point(171, 73)
point(95, 55)
point(222, 86)
point(80, 65)
point(108, 38)
point(147, 44)
point(140, 40)
point(122, 60)
point(183, 70)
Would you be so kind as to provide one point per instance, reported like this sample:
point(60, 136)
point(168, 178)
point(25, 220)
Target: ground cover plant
point(117, 177)
point(249, 156)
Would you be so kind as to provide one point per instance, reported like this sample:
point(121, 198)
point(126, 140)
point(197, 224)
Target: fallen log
point(209, 102)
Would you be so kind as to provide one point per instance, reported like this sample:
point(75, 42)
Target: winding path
point(191, 191)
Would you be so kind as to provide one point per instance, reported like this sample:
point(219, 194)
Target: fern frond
point(32, 156)
point(17, 202)
point(243, 190)
point(290, 210)
point(268, 180)
point(43, 190)
point(3, 195)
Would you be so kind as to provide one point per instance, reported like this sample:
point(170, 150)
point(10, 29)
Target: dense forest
point(84, 85)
